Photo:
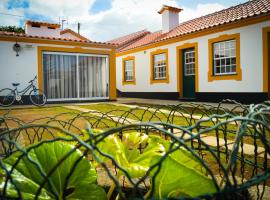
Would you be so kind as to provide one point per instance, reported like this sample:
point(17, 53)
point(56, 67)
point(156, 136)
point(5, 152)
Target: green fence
point(187, 151)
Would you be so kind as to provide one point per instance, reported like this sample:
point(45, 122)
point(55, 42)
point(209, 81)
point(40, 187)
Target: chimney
point(44, 29)
point(170, 17)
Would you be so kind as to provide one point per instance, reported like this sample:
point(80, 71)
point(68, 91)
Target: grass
point(45, 114)
point(35, 114)
point(140, 114)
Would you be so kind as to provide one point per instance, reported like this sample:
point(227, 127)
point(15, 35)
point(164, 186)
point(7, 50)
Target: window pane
point(224, 56)
point(128, 74)
point(93, 77)
point(189, 67)
point(60, 76)
point(160, 66)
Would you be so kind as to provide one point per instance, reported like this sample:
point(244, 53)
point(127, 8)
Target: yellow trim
point(156, 52)
point(124, 82)
point(111, 55)
point(56, 42)
point(208, 31)
point(265, 41)
point(179, 66)
point(238, 75)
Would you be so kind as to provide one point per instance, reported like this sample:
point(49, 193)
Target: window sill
point(153, 81)
point(129, 82)
point(237, 76)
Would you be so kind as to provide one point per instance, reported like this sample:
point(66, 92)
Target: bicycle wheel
point(7, 97)
point(37, 97)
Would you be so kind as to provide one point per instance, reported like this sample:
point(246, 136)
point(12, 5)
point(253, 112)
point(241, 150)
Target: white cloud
point(124, 17)
point(6, 20)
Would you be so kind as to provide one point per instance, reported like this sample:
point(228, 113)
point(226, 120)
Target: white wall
point(23, 68)
point(42, 31)
point(251, 65)
point(19, 69)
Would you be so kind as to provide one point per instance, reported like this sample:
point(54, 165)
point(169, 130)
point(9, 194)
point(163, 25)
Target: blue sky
point(105, 19)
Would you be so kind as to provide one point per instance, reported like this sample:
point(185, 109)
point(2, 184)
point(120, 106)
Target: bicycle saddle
point(15, 84)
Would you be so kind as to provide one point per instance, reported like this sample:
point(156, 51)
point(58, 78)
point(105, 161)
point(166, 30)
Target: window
point(159, 66)
point(129, 70)
point(73, 76)
point(189, 63)
point(224, 58)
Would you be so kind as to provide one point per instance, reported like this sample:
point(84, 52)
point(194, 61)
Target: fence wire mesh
point(230, 146)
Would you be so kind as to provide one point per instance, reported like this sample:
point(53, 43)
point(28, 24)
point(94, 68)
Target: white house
point(69, 67)
point(210, 58)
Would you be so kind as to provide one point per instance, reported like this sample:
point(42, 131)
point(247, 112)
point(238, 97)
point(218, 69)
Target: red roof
point(39, 23)
point(127, 39)
point(249, 9)
point(67, 30)
point(23, 35)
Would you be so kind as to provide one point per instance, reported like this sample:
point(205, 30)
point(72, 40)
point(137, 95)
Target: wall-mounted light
point(17, 48)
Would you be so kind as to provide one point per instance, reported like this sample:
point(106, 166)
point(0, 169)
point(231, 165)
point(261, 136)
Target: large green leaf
point(82, 183)
point(181, 175)
point(127, 154)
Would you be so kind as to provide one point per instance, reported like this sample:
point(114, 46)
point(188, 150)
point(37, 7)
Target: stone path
point(123, 100)
point(209, 140)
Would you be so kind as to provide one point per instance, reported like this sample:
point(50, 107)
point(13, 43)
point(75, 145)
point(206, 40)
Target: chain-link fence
point(185, 151)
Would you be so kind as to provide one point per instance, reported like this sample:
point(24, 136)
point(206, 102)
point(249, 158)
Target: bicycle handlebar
point(33, 79)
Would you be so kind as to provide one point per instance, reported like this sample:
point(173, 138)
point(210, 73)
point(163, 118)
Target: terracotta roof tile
point(67, 30)
point(23, 35)
point(121, 41)
point(42, 23)
point(242, 11)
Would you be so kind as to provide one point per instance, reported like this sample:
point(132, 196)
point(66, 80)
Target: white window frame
point(189, 63)
point(221, 50)
point(157, 66)
point(131, 70)
point(77, 76)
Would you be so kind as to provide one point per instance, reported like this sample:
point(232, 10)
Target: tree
point(12, 29)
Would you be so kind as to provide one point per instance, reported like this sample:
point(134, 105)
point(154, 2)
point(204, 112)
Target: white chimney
point(170, 17)
point(44, 29)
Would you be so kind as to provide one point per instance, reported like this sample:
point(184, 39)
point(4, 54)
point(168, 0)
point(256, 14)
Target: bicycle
point(8, 96)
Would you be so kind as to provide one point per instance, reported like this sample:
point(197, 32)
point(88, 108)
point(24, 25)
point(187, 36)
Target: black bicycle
point(8, 96)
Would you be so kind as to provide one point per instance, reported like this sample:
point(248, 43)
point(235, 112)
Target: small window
point(128, 70)
point(160, 66)
point(35, 26)
point(128, 76)
point(224, 57)
point(189, 63)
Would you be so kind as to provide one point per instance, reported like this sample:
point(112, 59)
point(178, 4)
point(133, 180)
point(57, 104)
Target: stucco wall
point(23, 68)
point(42, 31)
point(250, 58)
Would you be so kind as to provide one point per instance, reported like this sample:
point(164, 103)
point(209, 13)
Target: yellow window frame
point(222, 38)
point(124, 82)
point(152, 54)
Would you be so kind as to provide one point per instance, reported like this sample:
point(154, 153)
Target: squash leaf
point(82, 183)
point(127, 154)
point(181, 175)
